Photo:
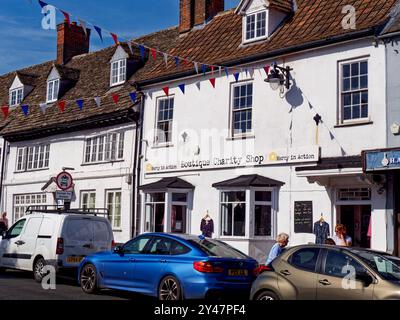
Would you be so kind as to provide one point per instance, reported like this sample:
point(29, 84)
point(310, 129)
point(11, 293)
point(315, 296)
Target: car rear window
point(217, 248)
point(101, 231)
point(79, 229)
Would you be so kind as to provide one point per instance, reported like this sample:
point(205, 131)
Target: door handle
point(285, 272)
point(132, 260)
point(88, 246)
point(163, 261)
point(19, 243)
point(325, 282)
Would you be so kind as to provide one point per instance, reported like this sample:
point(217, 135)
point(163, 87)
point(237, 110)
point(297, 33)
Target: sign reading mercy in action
point(284, 156)
point(64, 181)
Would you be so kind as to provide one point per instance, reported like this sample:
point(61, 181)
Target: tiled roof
point(284, 5)
point(91, 75)
point(220, 41)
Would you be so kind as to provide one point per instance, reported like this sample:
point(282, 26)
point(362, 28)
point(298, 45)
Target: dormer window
point(16, 96)
point(256, 26)
point(53, 87)
point(118, 72)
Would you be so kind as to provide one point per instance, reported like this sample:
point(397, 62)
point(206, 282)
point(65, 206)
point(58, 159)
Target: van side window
point(16, 229)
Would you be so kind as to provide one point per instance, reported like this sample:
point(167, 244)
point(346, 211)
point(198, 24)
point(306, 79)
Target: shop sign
point(381, 160)
point(272, 157)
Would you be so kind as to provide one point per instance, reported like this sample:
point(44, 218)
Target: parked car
point(328, 272)
point(61, 238)
point(170, 267)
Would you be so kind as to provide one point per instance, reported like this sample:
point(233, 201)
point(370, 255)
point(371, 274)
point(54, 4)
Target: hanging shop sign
point(378, 160)
point(64, 181)
point(273, 157)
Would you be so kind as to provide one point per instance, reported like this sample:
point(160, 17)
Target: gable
point(16, 83)
point(256, 5)
point(54, 75)
point(119, 54)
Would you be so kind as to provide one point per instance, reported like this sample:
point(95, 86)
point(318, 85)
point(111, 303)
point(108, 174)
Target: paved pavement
point(17, 285)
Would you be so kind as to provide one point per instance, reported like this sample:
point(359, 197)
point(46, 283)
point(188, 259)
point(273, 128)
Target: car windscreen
point(217, 248)
point(381, 264)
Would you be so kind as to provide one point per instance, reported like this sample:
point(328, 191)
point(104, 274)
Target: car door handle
point(132, 260)
point(19, 243)
point(87, 246)
point(285, 272)
point(163, 261)
point(325, 282)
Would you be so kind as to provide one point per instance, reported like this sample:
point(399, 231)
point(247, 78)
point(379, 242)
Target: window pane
point(264, 196)
point(346, 70)
point(239, 219)
point(178, 219)
point(121, 145)
point(305, 259)
point(226, 210)
point(336, 263)
point(355, 69)
point(263, 221)
point(179, 197)
point(364, 67)
point(234, 196)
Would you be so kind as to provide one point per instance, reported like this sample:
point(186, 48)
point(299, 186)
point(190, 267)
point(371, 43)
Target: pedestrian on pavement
point(281, 242)
point(341, 238)
point(3, 223)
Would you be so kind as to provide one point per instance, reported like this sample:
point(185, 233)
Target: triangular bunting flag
point(130, 47)
point(331, 135)
point(251, 71)
point(182, 87)
point(166, 90)
point(133, 96)
point(203, 69)
point(25, 109)
point(98, 101)
point(83, 25)
point(115, 98)
point(198, 85)
point(196, 67)
point(61, 105)
point(79, 102)
point(266, 69)
point(43, 107)
point(66, 15)
point(212, 80)
point(342, 151)
point(165, 59)
point(176, 61)
point(153, 53)
point(142, 52)
point(5, 110)
point(310, 105)
point(247, 71)
point(42, 4)
point(236, 75)
point(98, 30)
point(115, 38)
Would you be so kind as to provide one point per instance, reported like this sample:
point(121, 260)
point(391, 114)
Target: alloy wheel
point(169, 289)
point(88, 278)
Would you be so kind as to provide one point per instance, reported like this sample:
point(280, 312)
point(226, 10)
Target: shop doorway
point(356, 218)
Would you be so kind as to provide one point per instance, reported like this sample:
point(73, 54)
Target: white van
point(53, 237)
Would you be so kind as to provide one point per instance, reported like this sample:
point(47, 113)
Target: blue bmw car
point(170, 267)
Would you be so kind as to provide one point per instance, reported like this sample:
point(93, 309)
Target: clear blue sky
point(24, 42)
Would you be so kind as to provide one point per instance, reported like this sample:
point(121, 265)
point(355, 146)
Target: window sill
point(104, 162)
point(31, 170)
point(161, 146)
point(244, 137)
point(354, 124)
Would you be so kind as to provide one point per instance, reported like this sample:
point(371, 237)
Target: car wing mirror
point(118, 249)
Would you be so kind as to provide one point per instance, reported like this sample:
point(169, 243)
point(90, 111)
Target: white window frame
point(232, 111)
point(88, 193)
point(244, 26)
point(341, 119)
point(32, 158)
point(157, 131)
point(53, 88)
point(104, 148)
point(20, 204)
point(118, 72)
point(16, 96)
point(250, 212)
point(112, 212)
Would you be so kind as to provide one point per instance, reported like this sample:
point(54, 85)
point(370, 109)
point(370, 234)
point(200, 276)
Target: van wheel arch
point(38, 257)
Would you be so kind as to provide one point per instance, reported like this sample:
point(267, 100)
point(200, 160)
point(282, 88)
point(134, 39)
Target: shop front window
point(233, 208)
point(155, 209)
point(263, 213)
point(178, 212)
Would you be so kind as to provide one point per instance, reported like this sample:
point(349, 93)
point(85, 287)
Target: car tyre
point(266, 296)
point(38, 266)
point(88, 279)
point(169, 289)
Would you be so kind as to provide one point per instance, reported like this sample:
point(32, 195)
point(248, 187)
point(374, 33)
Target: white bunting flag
point(43, 107)
point(251, 73)
point(342, 151)
point(220, 71)
point(83, 25)
point(331, 135)
point(165, 59)
point(196, 67)
point(198, 85)
point(98, 101)
point(130, 46)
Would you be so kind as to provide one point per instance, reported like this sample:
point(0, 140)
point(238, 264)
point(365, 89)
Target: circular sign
point(64, 181)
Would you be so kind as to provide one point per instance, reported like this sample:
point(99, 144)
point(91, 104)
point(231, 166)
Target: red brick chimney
point(71, 41)
point(197, 12)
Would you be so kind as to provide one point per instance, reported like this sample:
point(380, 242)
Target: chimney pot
point(71, 41)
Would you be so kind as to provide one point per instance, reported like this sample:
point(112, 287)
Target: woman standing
point(341, 238)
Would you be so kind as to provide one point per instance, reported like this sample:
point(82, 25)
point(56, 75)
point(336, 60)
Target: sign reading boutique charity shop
point(381, 160)
point(274, 157)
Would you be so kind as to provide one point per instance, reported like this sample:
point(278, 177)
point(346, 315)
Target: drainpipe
point(3, 161)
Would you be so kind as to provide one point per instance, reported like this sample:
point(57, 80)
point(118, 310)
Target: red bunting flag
point(61, 105)
point(5, 110)
point(115, 38)
point(66, 15)
point(153, 53)
point(115, 98)
point(267, 68)
point(166, 90)
point(212, 80)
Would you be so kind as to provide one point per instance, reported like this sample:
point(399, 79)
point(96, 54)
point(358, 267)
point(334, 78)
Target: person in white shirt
point(341, 238)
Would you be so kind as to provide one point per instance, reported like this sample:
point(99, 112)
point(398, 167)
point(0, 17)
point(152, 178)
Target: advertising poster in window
point(303, 217)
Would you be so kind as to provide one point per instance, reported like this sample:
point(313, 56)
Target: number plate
point(74, 259)
point(238, 273)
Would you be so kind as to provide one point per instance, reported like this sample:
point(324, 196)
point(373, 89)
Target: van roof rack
point(62, 210)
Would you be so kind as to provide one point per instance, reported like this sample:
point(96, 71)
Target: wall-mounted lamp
point(279, 77)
